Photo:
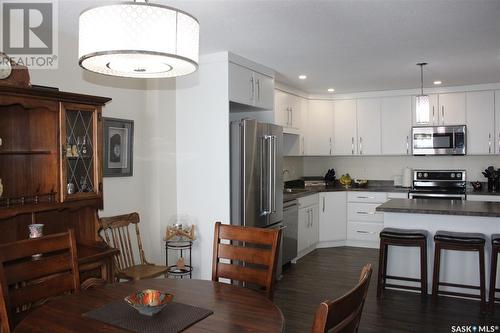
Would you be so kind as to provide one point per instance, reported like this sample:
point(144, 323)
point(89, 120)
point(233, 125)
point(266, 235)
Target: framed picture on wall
point(118, 147)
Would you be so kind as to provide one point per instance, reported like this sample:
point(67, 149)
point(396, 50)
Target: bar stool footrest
point(456, 285)
point(401, 278)
point(452, 293)
point(399, 286)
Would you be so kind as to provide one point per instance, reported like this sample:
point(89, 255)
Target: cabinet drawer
point(397, 195)
point(308, 201)
point(357, 211)
point(364, 231)
point(375, 197)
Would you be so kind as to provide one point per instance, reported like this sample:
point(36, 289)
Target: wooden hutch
point(48, 140)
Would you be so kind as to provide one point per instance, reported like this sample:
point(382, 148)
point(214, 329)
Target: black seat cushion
point(403, 233)
point(495, 239)
point(460, 237)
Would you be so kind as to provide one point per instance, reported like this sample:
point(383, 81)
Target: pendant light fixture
point(139, 40)
point(422, 101)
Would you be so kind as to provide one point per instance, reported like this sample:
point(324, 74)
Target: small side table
point(182, 246)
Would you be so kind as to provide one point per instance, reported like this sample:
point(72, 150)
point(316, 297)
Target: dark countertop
point(484, 191)
point(338, 188)
point(441, 207)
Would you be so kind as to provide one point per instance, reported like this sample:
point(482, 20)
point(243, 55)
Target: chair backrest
point(26, 281)
point(251, 253)
point(343, 314)
point(117, 235)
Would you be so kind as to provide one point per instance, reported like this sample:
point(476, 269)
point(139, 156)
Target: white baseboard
point(358, 243)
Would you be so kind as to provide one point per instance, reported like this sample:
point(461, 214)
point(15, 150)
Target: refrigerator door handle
point(273, 187)
point(264, 204)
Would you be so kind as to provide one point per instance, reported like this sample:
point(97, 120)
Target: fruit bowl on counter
point(360, 182)
point(345, 180)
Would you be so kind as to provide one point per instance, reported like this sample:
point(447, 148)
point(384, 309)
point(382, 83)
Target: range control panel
point(442, 175)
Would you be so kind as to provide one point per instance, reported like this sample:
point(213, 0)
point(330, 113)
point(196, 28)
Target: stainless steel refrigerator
point(256, 174)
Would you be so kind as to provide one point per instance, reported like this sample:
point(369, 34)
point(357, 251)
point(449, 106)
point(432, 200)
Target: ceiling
point(357, 45)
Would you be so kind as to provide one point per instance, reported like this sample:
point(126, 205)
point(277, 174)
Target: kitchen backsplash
point(386, 167)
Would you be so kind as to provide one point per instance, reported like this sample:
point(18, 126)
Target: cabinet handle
point(312, 217)
point(364, 197)
point(366, 213)
point(330, 146)
point(365, 232)
point(433, 118)
point(291, 116)
point(442, 113)
point(303, 148)
point(323, 204)
point(407, 145)
point(253, 88)
point(489, 143)
point(499, 142)
point(258, 89)
point(360, 145)
point(352, 145)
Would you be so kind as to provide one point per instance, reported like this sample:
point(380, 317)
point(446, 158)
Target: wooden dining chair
point(26, 281)
point(251, 255)
point(117, 235)
point(343, 314)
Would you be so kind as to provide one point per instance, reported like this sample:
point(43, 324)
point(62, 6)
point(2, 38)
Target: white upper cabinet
point(344, 127)
point(250, 88)
point(497, 121)
point(289, 112)
point(427, 119)
point(395, 120)
point(480, 106)
point(452, 109)
point(368, 116)
point(319, 128)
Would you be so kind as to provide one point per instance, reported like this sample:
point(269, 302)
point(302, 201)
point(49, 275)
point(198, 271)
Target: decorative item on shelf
point(181, 264)
point(74, 151)
point(12, 74)
point(1, 187)
point(71, 188)
point(178, 232)
point(36, 231)
point(345, 180)
point(477, 186)
point(83, 184)
point(84, 148)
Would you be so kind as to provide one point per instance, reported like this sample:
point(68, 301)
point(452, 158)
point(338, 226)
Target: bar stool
point(402, 237)
point(495, 250)
point(459, 241)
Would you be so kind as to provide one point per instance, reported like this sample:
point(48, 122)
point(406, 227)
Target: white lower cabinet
point(364, 223)
point(332, 217)
point(308, 229)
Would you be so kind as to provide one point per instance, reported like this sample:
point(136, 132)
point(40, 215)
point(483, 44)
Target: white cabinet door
point(368, 117)
point(429, 118)
point(264, 91)
point(332, 216)
point(303, 232)
point(241, 85)
point(497, 121)
point(314, 230)
point(303, 126)
point(395, 120)
point(480, 108)
point(452, 109)
point(319, 128)
point(296, 111)
point(281, 111)
point(344, 127)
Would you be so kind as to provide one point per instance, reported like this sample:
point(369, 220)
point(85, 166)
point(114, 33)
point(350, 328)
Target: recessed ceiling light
point(302, 77)
point(331, 90)
point(437, 83)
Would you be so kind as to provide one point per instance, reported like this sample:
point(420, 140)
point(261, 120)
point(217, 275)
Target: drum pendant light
point(422, 101)
point(138, 40)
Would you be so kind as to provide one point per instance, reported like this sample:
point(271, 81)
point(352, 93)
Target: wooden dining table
point(235, 309)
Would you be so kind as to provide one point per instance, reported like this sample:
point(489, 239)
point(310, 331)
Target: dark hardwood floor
point(329, 273)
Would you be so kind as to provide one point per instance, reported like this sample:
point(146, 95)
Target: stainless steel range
point(438, 184)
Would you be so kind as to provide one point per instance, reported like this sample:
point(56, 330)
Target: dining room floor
point(329, 273)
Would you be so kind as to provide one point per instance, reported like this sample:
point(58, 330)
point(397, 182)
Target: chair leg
point(493, 276)
point(381, 264)
point(423, 267)
point(435, 275)
point(482, 276)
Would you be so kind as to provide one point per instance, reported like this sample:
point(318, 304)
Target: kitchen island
point(433, 215)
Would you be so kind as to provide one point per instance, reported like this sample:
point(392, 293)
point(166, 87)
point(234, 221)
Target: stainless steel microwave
point(439, 140)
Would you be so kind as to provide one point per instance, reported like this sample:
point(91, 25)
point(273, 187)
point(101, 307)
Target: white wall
point(202, 106)
point(151, 152)
point(386, 167)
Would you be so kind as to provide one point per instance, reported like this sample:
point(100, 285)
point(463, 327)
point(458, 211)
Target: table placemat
point(174, 318)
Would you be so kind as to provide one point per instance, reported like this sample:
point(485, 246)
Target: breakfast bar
point(433, 215)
